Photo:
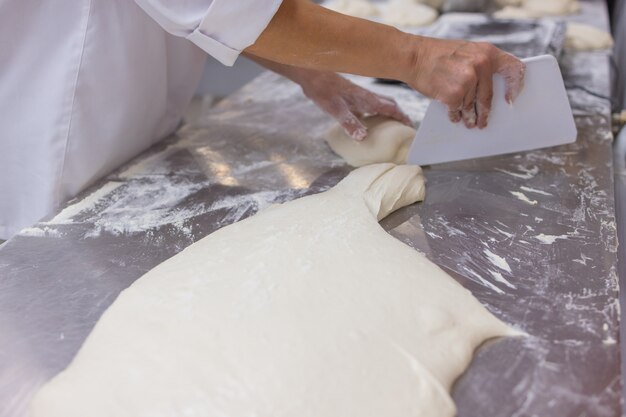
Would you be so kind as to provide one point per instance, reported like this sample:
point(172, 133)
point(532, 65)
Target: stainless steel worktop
point(532, 235)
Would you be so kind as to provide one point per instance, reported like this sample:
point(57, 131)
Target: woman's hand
point(347, 102)
point(459, 74)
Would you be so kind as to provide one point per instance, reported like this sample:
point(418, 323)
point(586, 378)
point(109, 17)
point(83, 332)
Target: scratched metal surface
point(531, 235)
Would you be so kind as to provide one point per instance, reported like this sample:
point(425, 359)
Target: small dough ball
point(534, 9)
point(581, 37)
point(357, 8)
point(387, 141)
point(410, 13)
point(435, 4)
point(542, 8)
point(512, 12)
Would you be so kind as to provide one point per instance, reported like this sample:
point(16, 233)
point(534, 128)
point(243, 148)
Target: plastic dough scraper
point(539, 118)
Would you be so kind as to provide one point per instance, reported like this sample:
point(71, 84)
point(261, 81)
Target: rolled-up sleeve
point(222, 28)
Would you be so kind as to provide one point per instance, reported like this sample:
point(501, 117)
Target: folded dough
point(307, 309)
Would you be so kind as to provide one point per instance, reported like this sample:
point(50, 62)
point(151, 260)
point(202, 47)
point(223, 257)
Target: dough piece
point(581, 37)
point(306, 309)
point(387, 141)
point(408, 13)
point(512, 12)
point(542, 8)
point(435, 4)
point(357, 8)
point(535, 9)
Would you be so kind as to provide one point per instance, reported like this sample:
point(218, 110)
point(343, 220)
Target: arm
point(457, 73)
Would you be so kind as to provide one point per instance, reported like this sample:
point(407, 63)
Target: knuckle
point(468, 75)
point(456, 94)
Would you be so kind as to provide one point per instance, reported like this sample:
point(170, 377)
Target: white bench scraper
point(539, 118)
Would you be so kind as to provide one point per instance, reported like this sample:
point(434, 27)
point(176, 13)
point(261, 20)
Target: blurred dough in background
point(409, 13)
point(534, 9)
point(356, 8)
point(581, 37)
point(401, 13)
point(435, 4)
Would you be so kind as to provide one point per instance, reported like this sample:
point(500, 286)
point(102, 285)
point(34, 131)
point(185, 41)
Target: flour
point(40, 232)
point(498, 277)
point(549, 239)
point(85, 204)
point(523, 197)
point(498, 261)
point(534, 190)
point(525, 175)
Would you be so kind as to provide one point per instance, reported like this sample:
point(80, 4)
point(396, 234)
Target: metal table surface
point(532, 235)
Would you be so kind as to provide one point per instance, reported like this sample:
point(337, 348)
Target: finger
point(353, 127)
point(340, 111)
point(484, 99)
point(468, 112)
point(513, 71)
point(454, 115)
point(389, 108)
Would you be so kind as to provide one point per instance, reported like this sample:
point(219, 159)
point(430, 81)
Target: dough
point(357, 8)
point(581, 37)
point(435, 4)
point(405, 13)
point(387, 141)
point(551, 7)
point(513, 12)
point(306, 309)
point(534, 9)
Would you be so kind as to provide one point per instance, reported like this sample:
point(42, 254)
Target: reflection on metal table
point(532, 235)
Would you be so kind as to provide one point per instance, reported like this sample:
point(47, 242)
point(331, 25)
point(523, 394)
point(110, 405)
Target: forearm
point(290, 72)
point(303, 34)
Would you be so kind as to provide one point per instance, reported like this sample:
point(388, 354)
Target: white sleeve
point(222, 28)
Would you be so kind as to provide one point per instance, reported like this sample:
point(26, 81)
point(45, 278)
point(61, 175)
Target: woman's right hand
point(460, 75)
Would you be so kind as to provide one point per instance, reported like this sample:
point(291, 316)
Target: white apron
point(85, 85)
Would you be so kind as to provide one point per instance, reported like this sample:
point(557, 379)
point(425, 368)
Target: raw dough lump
point(408, 13)
point(307, 309)
point(581, 37)
point(534, 9)
point(387, 141)
point(357, 8)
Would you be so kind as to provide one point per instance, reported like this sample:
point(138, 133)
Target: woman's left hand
point(347, 102)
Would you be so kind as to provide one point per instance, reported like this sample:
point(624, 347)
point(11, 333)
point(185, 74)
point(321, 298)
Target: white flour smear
point(523, 197)
point(143, 204)
point(498, 261)
point(40, 232)
point(498, 277)
point(87, 203)
point(549, 239)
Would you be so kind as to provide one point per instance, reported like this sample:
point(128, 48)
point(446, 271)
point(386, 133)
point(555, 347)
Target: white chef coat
point(85, 85)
